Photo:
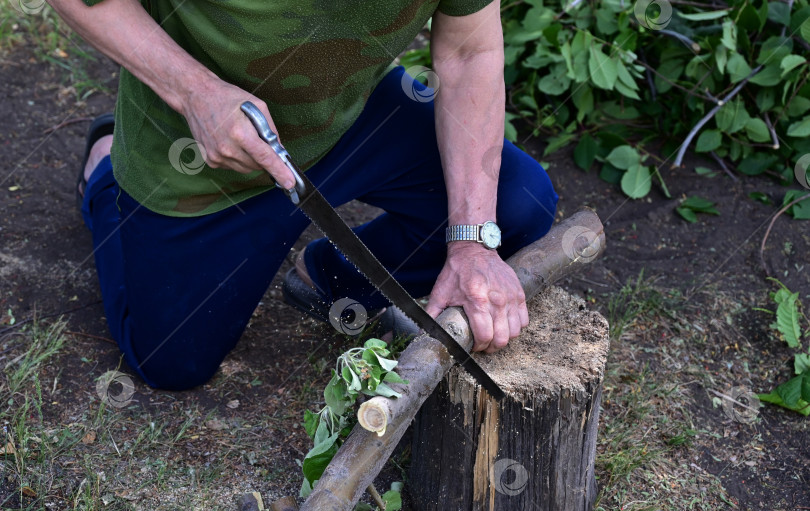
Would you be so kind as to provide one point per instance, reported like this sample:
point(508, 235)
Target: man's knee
point(181, 373)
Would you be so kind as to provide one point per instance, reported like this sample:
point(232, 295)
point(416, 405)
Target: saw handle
point(268, 135)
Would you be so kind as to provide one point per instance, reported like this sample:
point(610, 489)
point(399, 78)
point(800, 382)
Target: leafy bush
point(611, 75)
point(612, 71)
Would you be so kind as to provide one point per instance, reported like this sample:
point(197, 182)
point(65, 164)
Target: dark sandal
point(102, 126)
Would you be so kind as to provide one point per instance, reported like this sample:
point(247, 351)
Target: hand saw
point(323, 215)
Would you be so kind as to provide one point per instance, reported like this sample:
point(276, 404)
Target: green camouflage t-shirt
point(315, 62)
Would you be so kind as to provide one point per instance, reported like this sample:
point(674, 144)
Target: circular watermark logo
point(741, 404)
point(416, 92)
point(653, 14)
point(581, 243)
point(509, 477)
point(187, 156)
point(491, 161)
point(348, 316)
point(115, 389)
point(28, 6)
point(800, 170)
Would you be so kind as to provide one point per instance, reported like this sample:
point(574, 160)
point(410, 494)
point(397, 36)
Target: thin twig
point(28, 320)
point(723, 166)
point(91, 336)
point(768, 231)
point(682, 38)
point(647, 73)
point(790, 8)
point(678, 86)
point(705, 119)
point(773, 131)
point(376, 496)
point(729, 398)
point(66, 123)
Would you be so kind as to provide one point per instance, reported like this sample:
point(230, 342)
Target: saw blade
point(310, 200)
point(323, 215)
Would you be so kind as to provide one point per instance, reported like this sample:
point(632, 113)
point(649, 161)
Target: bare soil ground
point(664, 445)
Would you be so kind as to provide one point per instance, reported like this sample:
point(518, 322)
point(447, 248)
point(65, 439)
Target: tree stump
point(535, 450)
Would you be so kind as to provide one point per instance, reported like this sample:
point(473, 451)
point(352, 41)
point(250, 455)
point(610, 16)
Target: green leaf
point(610, 174)
point(318, 458)
point(555, 82)
point(626, 91)
point(386, 391)
point(805, 394)
point(687, 214)
point(558, 142)
point(375, 343)
point(393, 499)
point(393, 377)
point(800, 210)
point(787, 320)
point(732, 117)
point(624, 157)
point(774, 49)
point(700, 204)
point(789, 62)
point(585, 152)
point(672, 70)
point(801, 405)
point(721, 57)
point(709, 140)
point(606, 21)
point(336, 395)
point(351, 378)
point(804, 30)
point(791, 391)
point(311, 423)
point(737, 67)
point(583, 100)
point(705, 171)
point(801, 363)
point(387, 364)
point(757, 130)
point(756, 164)
point(703, 16)
point(779, 12)
point(800, 128)
point(798, 106)
point(729, 39)
point(760, 197)
point(602, 69)
point(769, 76)
point(636, 182)
point(748, 19)
point(509, 131)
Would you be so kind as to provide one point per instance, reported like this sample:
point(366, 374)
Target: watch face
point(491, 235)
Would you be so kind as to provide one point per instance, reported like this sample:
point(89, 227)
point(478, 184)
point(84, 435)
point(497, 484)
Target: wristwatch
point(488, 234)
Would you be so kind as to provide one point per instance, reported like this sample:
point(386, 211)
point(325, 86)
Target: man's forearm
point(468, 59)
point(469, 130)
point(124, 31)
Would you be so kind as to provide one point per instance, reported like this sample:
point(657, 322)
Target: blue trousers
point(178, 292)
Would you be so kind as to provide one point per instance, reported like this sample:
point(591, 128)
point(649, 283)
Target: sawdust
point(564, 347)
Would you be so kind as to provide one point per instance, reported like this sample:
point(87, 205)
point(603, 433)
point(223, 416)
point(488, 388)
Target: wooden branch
point(695, 47)
point(723, 166)
point(566, 248)
point(708, 116)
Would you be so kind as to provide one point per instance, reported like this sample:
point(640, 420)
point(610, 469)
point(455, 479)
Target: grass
point(52, 41)
point(64, 448)
point(648, 438)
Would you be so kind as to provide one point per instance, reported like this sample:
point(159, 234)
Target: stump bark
point(535, 449)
